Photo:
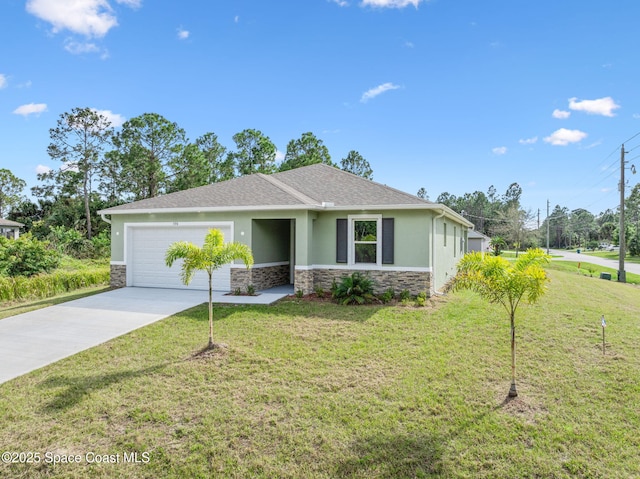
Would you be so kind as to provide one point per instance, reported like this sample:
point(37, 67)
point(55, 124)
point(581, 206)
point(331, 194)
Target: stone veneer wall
point(118, 275)
point(260, 277)
point(303, 281)
point(414, 281)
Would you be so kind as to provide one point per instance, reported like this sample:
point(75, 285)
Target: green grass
point(612, 255)
point(591, 270)
point(308, 390)
point(18, 307)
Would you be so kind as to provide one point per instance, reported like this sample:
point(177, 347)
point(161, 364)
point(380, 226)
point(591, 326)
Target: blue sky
point(452, 96)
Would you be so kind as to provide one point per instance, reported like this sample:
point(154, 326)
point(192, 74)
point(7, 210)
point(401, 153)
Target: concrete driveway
point(32, 340)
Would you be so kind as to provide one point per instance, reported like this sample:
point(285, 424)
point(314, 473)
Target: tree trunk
point(512, 391)
point(210, 310)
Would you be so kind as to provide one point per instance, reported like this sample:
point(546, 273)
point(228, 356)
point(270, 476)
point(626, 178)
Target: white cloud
point(183, 34)
point(528, 141)
point(391, 3)
point(563, 137)
point(236, 19)
point(116, 119)
point(340, 3)
point(601, 106)
point(409, 44)
point(40, 169)
point(380, 89)
point(279, 155)
point(77, 48)
point(3, 81)
point(91, 18)
point(636, 116)
point(31, 109)
point(500, 150)
point(561, 114)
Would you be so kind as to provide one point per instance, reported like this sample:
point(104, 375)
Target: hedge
point(49, 284)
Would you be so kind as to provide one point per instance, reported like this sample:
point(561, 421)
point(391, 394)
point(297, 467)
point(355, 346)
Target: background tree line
point(146, 157)
point(502, 216)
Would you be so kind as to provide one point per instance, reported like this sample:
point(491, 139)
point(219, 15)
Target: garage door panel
point(147, 249)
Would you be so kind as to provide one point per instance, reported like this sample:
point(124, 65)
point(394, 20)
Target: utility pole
point(548, 220)
point(622, 276)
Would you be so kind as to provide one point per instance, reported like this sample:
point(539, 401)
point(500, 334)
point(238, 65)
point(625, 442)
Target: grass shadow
point(394, 455)
point(76, 388)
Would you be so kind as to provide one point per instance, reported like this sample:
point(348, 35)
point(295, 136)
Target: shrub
point(388, 295)
point(319, 291)
point(354, 289)
point(47, 285)
point(421, 299)
point(26, 256)
point(299, 294)
point(73, 243)
point(251, 290)
point(405, 295)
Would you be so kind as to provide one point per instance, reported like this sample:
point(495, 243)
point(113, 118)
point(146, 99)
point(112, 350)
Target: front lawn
point(314, 390)
point(612, 255)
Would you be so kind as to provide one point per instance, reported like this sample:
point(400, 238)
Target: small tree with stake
point(500, 281)
point(214, 254)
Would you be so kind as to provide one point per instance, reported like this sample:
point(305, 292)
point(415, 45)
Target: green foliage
point(507, 283)
point(354, 289)
point(251, 290)
point(634, 246)
point(356, 164)
point(306, 150)
point(319, 291)
point(387, 296)
point(214, 254)
point(46, 285)
point(299, 294)
point(10, 191)
point(255, 153)
point(421, 299)
point(497, 244)
point(405, 295)
point(26, 256)
point(71, 242)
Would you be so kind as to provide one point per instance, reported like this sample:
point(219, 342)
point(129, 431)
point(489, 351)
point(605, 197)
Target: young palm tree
point(214, 254)
point(507, 283)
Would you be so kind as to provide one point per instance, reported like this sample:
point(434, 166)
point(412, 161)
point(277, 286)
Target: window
point(366, 240)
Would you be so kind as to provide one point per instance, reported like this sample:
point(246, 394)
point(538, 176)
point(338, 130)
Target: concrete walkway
point(32, 340)
point(586, 258)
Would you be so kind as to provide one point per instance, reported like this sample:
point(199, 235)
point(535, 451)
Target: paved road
point(569, 256)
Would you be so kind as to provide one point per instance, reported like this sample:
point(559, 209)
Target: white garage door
point(147, 246)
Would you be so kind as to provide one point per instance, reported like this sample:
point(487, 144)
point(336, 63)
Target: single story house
point(478, 241)
point(305, 227)
point(10, 229)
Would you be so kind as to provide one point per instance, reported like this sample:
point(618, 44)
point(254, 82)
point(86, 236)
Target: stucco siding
point(411, 244)
point(270, 240)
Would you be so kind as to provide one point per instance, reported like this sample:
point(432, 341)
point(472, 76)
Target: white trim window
point(365, 240)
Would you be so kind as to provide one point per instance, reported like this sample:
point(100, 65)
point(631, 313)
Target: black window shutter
point(341, 240)
point(387, 240)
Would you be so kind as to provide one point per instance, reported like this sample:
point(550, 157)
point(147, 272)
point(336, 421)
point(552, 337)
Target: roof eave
point(319, 207)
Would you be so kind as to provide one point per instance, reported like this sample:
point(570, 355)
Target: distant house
point(10, 229)
point(306, 227)
point(478, 241)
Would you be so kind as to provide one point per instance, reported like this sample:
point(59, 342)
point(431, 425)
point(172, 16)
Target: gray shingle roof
point(305, 187)
point(9, 223)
